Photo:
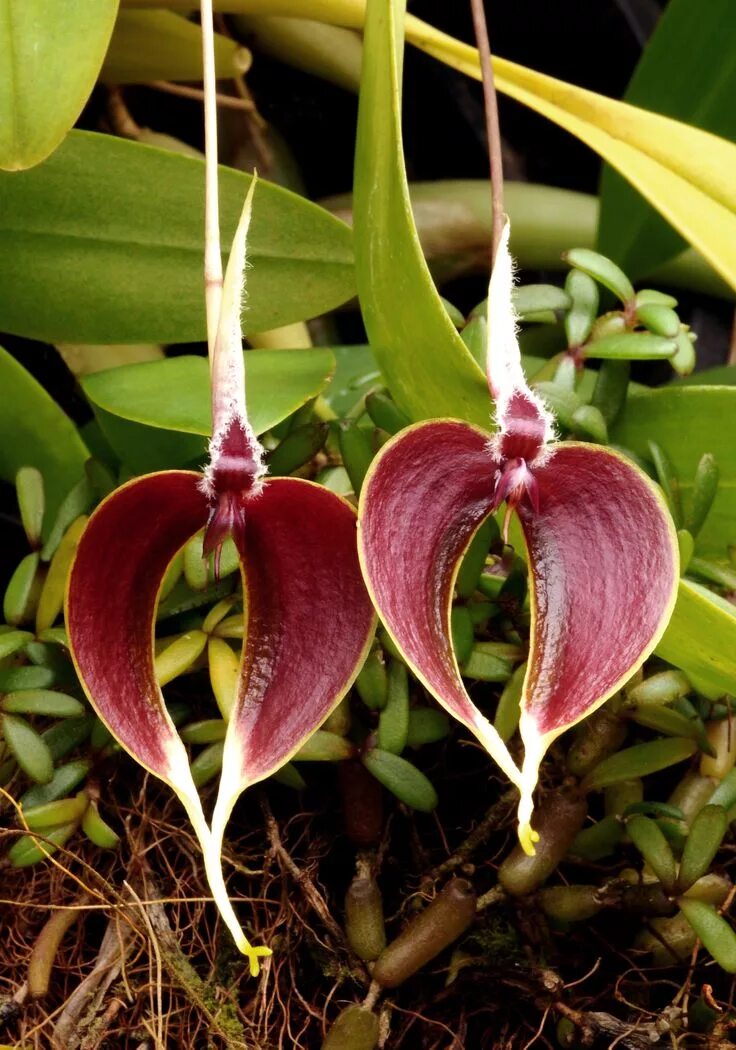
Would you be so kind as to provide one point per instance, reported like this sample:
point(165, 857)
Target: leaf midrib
point(255, 252)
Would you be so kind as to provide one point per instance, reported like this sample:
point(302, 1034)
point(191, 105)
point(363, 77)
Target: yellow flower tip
point(527, 837)
point(254, 955)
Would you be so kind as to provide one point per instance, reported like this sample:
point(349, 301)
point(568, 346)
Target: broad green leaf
point(90, 254)
point(683, 172)
point(722, 375)
point(51, 55)
point(691, 40)
point(701, 639)
point(425, 362)
point(356, 374)
point(157, 415)
point(686, 421)
point(160, 45)
point(35, 432)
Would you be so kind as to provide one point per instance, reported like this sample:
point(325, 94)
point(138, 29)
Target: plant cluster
point(374, 545)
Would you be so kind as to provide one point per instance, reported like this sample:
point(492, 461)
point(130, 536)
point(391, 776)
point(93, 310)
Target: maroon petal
point(422, 501)
point(111, 601)
point(309, 626)
point(110, 608)
point(603, 565)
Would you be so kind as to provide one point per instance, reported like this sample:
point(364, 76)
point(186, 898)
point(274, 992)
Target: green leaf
point(402, 779)
point(713, 930)
point(157, 415)
point(428, 368)
point(356, 374)
point(90, 254)
point(647, 836)
point(638, 761)
point(690, 40)
point(687, 421)
point(723, 375)
point(702, 844)
point(29, 749)
point(701, 639)
point(35, 432)
point(51, 55)
point(160, 45)
point(681, 170)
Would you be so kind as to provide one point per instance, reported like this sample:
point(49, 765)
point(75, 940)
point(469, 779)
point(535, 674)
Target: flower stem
point(493, 130)
point(212, 254)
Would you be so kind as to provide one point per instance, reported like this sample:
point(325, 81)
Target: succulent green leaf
point(639, 761)
point(653, 846)
point(713, 930)
point(701, 845)
point(29, 749)
point(402, 779)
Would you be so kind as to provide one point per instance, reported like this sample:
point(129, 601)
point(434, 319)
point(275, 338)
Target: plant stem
point(212, 254)
point(493, 130)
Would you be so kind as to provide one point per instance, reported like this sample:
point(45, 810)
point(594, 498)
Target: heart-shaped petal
point(603, 566)
point(309, 627)
point(426, 494)
point(604, 569)
point(110, 611)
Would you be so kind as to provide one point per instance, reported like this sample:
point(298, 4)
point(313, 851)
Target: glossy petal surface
point(110, 608)
point(426, 494)
point(309, 624)
point(603, 565)
point(111, 602)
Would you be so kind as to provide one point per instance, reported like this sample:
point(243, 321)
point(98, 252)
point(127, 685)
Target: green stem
point(453, 218)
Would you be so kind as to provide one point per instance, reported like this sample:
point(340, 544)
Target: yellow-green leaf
point(51, 55)
point(685, 173)
point(701, 639)
point(160, 45)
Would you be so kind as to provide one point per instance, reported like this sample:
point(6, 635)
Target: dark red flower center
point(234, 479)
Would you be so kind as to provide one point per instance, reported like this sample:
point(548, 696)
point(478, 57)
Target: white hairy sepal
point(227, 372)
point(207, 483)
point(503, 355)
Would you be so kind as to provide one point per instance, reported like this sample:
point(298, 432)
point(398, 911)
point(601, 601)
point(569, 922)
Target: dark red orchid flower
point(601, 548)
point(309, 621)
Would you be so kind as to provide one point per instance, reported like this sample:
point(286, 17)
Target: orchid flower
point(309, 621)
point(601, 548)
